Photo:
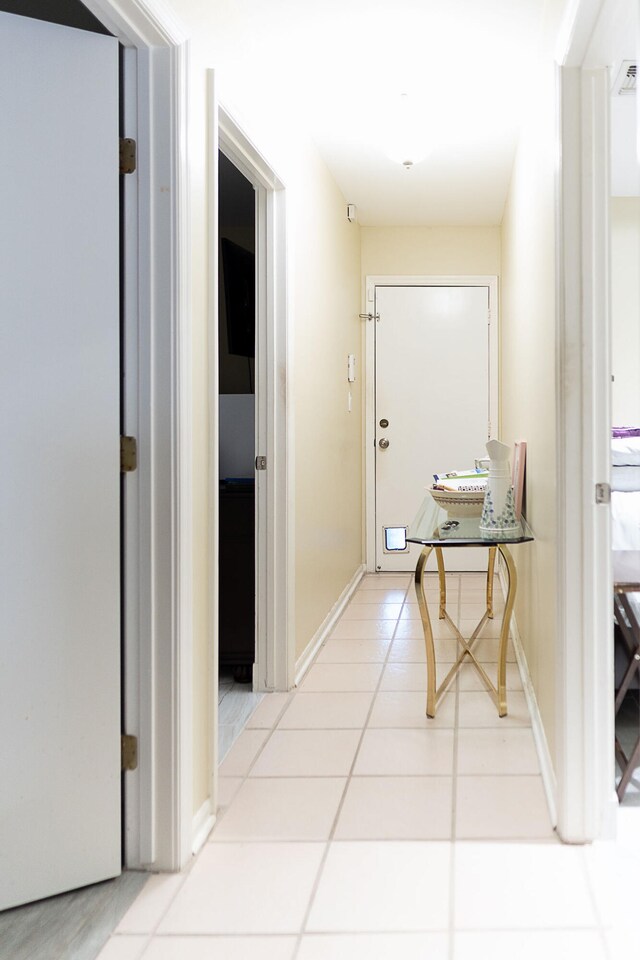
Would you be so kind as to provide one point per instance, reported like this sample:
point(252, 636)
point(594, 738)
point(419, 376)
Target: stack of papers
point(467, 481)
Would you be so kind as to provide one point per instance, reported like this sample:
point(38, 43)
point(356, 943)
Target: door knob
point(383, 444)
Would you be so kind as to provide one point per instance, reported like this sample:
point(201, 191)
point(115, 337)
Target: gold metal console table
point(434, 530)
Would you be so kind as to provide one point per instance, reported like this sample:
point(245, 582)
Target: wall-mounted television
point(239, 272)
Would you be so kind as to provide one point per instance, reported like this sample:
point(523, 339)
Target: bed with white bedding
point(625, 488)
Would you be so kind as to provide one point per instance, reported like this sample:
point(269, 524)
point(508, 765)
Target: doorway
point(237, 451)
point(250, 405)
point(432, 400)
point(624, 239)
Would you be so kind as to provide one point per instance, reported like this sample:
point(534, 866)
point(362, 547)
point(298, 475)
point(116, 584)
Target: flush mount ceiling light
point(407, 138)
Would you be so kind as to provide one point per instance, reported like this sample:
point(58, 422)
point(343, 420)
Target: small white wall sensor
point(351, 212)
point(351, 368)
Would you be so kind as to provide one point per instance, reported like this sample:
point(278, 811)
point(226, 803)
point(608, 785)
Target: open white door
point(433, 404)
point(59, 500)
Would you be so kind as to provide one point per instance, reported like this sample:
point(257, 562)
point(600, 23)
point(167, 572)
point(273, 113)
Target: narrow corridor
point(350, 826)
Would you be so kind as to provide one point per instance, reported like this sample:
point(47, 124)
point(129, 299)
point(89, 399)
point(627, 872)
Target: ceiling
point(342, 65)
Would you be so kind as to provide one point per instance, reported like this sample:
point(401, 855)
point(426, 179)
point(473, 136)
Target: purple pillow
point(619, 432)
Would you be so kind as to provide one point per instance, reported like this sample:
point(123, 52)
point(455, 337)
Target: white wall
point(323, 276)
point(528, 377)
point(625, 310)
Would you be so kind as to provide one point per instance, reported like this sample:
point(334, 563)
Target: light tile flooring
point(350, 826)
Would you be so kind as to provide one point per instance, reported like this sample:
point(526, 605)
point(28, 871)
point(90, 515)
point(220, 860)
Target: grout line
point(336, 818)
point(454, 805)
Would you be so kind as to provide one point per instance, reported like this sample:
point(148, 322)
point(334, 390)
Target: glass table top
point(433, 526)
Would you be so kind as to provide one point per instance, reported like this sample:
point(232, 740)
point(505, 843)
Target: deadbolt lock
point(384, 424)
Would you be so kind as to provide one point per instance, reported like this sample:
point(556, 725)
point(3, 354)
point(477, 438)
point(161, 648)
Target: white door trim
point(491, 282)
point(275, 651)
point(158, 537)
point(586, 799)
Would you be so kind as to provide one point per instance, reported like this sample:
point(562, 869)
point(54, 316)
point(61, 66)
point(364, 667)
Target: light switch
point(351, 368)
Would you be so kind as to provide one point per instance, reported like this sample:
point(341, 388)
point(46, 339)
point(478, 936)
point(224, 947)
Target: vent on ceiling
point(626, 80)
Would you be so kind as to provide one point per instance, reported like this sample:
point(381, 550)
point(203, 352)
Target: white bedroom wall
point(625, 310)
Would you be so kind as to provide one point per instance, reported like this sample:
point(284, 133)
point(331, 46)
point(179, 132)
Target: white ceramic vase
point(498, 512)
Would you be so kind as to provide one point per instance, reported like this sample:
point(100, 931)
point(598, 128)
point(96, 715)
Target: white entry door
point(59, 482)
point(433, 405)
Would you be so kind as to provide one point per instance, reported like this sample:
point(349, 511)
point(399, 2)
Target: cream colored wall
point(625, 310)
point(323, 277)
point(430, 251)
point(528, 378)
point(328, 438)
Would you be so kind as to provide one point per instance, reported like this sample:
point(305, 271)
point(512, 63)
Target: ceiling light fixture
point(407, 141)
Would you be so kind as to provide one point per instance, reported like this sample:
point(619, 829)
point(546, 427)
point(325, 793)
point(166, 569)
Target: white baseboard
point(542, 747)
point(306, 658)
point(202, 826)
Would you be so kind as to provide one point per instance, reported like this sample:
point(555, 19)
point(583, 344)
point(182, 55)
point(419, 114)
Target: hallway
point(350, 826)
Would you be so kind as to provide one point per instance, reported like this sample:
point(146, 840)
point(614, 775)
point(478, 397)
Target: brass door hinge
point(127, 155)
point(128, 454)
point(128, 752)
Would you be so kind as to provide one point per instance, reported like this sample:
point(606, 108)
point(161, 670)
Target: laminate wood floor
point(71, 926)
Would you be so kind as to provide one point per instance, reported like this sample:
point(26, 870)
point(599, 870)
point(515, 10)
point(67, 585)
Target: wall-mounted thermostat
point(351, 368)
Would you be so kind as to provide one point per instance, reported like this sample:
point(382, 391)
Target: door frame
point(157, 822)
point(586, 800)
point(491, 282)
point(274, 554)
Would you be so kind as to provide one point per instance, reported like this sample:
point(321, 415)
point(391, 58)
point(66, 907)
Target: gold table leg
point(442, 580)
point(428, 632)
point(498, 692)
point(504, 631)
point(490, 572)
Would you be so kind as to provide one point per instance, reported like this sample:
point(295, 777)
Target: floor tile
point(268, 711)
point(474, 611)
point(377, 581)
point(411, 676)
point(497, 751)
point(151, 903)
point(307, 753)
point(336, 676)
point(123, 948)
point(372, 611)
point(282, 809)
point(479, 710)
point(537, 886)
point(469, 678)
point(368, 594)
point(494, 807)
point(530, 945)
point(224, 948)
point(614, 868)
point(375, 946)
point(487, 649)
point(407, 709)
point(243, 753)
point(354, 651)
point(396, 808)
point(405, 753)
point(414, 650)
point(384, 886)
point(491, 629)
point(363, 630)
point(326, 710)
point(246, 888)
point(227, 789)
point(412, 629)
